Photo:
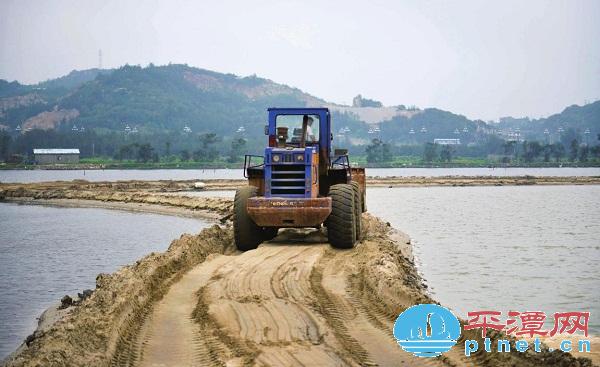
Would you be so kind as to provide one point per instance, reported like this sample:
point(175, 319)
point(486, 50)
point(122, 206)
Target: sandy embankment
point(157, 196)
point(232, 184)
point(293, 301)
point(132, 196)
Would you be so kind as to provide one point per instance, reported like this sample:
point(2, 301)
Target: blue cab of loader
point(299, 183)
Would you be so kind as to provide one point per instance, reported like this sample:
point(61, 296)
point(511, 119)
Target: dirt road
point(289, 303)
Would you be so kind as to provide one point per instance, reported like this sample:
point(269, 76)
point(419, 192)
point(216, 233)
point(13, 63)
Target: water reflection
point(48, 252)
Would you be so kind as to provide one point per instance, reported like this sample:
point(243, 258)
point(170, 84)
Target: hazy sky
point(482, 59)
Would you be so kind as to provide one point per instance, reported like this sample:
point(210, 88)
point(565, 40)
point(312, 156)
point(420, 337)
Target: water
point(118, 174)
point(512, 171)
point(502, 248)
point(199, 174)
point(47, 252)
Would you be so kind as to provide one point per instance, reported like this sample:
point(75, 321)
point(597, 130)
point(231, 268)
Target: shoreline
point(481, 181)
point(383, 249)
point(121, 206)
point(196, 166)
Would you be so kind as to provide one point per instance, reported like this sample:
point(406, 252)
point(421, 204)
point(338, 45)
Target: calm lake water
point(502, 248)
point(204, 174)
point(47, 252)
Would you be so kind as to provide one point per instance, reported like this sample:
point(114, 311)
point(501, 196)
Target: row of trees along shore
point(141, 148)
point(508, 152)
point(209, 147)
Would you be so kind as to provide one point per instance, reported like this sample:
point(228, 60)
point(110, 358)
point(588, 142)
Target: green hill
point(153, 99)
point(73, 80)
point(165, 99)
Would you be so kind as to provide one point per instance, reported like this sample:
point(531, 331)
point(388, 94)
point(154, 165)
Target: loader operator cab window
point(294, 124)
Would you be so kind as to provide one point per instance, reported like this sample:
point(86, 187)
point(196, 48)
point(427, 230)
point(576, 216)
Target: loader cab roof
point(300, 110)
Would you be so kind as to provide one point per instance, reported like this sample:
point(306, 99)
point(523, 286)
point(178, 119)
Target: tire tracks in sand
point(291, 302)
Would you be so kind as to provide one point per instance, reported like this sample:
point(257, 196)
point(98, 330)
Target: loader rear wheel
point(341, 223)
point(357, 209)
point(246, 234)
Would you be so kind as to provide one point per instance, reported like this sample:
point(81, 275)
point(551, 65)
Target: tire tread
point(341, 224)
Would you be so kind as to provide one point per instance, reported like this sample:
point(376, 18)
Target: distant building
point(56, 156)
point(359, 101)
point(446, 141)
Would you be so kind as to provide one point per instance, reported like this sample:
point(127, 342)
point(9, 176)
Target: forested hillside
point(177, 108)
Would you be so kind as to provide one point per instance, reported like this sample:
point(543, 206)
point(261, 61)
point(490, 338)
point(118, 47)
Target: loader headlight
point(300, 157)
point(276, 158)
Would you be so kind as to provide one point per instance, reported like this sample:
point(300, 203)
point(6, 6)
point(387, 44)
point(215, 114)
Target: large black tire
point(357, 209)
point(341, 223)
point(246, 234)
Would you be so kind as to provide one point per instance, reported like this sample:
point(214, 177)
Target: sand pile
point(215, 205)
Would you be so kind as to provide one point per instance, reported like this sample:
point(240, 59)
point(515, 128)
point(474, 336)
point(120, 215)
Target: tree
point(446, 154)
point(509, 148)
point(184, 155)
point(373, 151)
point(531, 150)
point(547, 151)
point(574, 150)
point(167, 148)
point(207, 151)
point(429, 152)
point(145, 153)
point(5, 142)
point(558, 151)
point(126, 152)
point(568, 136)
point(378, 152)
point(386, 153)
point(237, 148)
point(595, 151)
point(493, 144)
point(584, 153)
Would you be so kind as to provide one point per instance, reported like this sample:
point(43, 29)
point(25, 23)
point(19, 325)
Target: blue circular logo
point(427, 330)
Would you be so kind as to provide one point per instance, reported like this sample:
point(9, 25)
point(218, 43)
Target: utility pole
point(100, 59)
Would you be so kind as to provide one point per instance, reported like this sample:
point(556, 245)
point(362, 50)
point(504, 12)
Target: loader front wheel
point(357, 209)
point(246, 234)
point(341, 223)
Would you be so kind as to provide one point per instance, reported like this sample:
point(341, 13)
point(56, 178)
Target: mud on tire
point(246, 234)
point(341, 223)
point(357, 209)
